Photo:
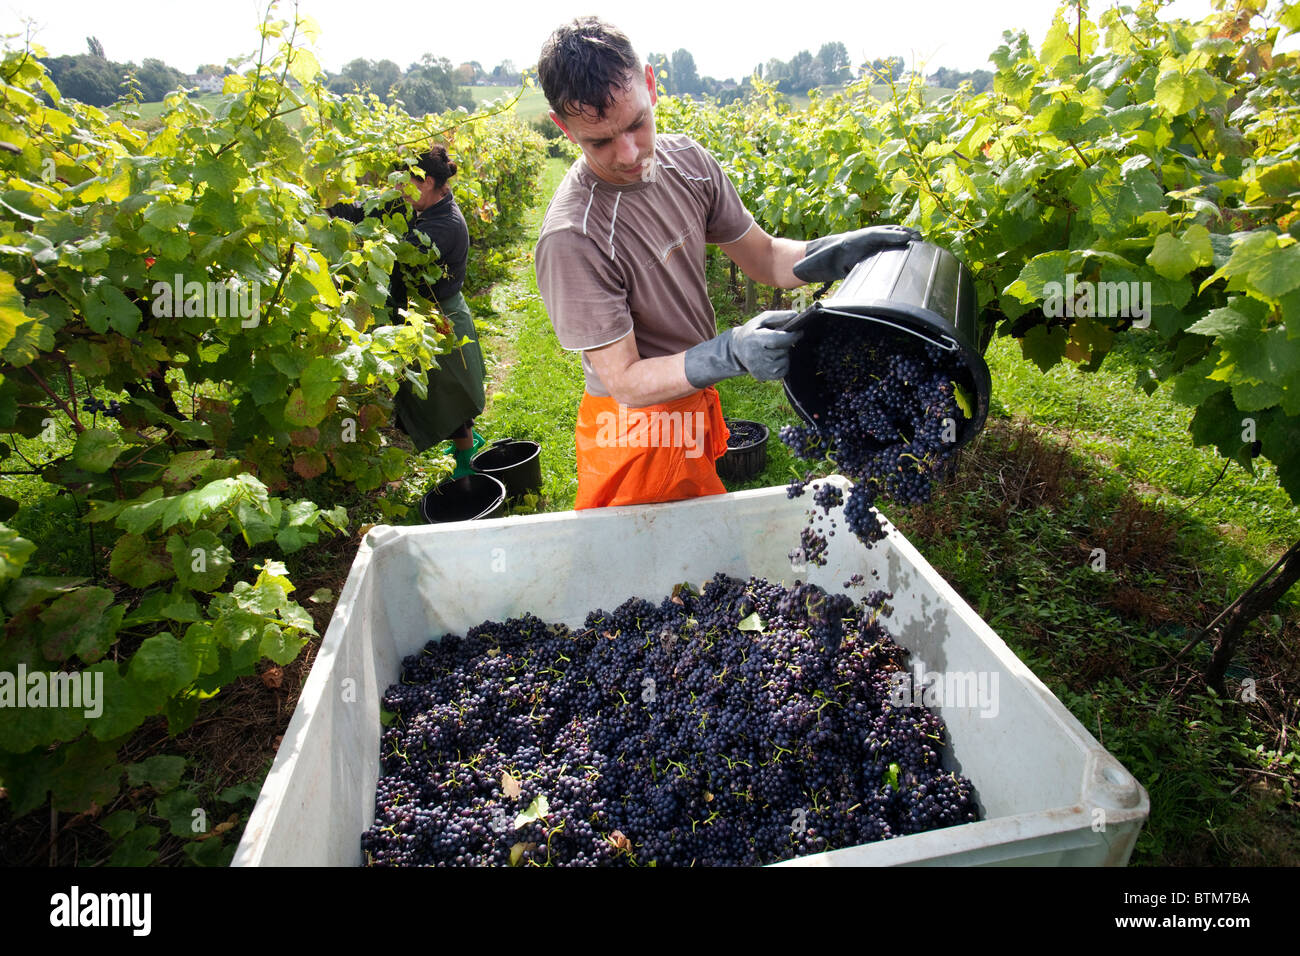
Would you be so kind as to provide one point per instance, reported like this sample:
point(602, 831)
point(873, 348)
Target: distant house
point(207, 82)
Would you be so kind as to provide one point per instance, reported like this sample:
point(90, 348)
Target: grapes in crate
point(746, 724)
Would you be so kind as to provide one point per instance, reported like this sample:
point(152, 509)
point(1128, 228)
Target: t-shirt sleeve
point(584, 293)
point(728, 218)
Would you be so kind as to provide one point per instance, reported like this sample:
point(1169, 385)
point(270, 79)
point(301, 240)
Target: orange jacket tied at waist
point(663, 452)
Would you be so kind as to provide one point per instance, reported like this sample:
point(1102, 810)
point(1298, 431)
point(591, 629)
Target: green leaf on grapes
point(752, 623)
point(185, 465)
point(964, 400)
point(1175, 93)
point(891, 775)
point(119, 824)
point(318, 273)
point(1263, 266)
point(88, 773)
point(178, 808)
point(320, 379)
point(537, 810)
point(280, 645)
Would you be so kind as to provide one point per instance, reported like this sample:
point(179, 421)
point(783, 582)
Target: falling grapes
point(890, 423)
point(745, 724)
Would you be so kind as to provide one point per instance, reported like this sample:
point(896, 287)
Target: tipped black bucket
point(464, 499)
point(915, 291)
point(516, 463)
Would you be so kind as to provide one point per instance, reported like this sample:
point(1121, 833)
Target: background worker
point(456, 394)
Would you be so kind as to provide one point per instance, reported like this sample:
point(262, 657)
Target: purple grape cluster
point(745, 724)
point(890, 425)
point(93, 405)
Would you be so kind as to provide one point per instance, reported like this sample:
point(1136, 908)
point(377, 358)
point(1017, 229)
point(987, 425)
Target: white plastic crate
point(1049, 793)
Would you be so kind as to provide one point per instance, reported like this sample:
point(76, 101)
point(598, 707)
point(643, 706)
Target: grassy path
point(533, 384)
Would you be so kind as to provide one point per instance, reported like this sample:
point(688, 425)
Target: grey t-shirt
point(617, 259)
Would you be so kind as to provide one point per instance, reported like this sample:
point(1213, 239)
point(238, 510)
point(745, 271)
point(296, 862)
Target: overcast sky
point(958, 34)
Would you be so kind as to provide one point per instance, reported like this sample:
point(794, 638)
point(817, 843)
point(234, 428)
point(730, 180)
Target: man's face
point(619, 147)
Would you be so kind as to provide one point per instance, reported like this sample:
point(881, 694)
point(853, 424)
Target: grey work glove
point(758, 347)
point(833, 257)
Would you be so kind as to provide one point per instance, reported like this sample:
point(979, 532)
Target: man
point(620, 265)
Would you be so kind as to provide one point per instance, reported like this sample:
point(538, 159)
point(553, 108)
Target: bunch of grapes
point(744, 724)
point(891, 421)
point(94, 405)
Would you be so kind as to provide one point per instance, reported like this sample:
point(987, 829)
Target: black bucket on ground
point(917, 290)
point(744, 459)
point(516, 463)
point(464, 499)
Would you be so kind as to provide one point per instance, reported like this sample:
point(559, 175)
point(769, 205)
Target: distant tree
point(685, 77)
point(157, 79)
point(802, 76)
point(834, 61)
point(505, 74)
point(92, 80)
point(386, 75)
point(430, 87)
point(96, 48)
point(981, 80)
point(890, 69)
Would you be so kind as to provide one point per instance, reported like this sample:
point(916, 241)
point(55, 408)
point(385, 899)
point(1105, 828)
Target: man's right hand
point(759, 348)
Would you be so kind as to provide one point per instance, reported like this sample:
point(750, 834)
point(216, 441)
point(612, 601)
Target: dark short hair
point(580, 61)
point(437, 164)
point(432, 162)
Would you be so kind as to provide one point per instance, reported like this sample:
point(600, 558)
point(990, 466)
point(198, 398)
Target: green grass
point(151, 111)
point(534, 385)
point(1145, 438)
point(1013, 535)
point(531, 106)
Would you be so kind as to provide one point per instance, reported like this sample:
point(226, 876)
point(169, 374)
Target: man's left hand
point(833, 257)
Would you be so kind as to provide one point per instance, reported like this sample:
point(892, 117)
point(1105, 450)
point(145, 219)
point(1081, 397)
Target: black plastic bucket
point(915, 290)
point(516, 463)
point(745, 459)
point(464, 499)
